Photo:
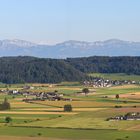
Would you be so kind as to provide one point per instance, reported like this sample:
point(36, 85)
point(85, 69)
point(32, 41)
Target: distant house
point(28, 87)
point(128, 116)
point(13, 92)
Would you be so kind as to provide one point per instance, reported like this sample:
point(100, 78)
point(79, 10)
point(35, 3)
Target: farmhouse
point(13, 92)
point(128, 116)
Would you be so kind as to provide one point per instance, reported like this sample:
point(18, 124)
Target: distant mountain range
point(112, 47)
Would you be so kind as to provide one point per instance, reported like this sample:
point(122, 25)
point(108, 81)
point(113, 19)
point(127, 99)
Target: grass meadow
point(47, 119)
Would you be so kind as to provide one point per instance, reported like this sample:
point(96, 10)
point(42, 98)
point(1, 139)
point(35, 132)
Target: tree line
point(105, 64)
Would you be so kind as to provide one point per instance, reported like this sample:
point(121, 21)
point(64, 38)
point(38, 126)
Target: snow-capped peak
point(17, 42)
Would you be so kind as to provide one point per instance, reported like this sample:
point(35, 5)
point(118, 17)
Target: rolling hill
point(37, 70)
point(25, 69)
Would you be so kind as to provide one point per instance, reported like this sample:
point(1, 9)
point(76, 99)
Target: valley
point(41, 119)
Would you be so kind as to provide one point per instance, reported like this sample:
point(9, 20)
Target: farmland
point(38, 120)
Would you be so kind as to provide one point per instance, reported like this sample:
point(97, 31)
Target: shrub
point(8, 119)
point(39, 134)
point(37, 119)
point(118, 106)
point(117, 96)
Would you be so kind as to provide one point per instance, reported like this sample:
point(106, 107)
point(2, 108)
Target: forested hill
point(44, 70)
point(128, 65)
point(37, 70)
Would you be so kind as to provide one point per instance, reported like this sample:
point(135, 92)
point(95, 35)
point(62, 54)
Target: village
point(101, 82)
point(28, 95)
point(35, 96)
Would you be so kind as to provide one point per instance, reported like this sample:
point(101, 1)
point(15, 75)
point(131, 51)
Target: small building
point(129, 116)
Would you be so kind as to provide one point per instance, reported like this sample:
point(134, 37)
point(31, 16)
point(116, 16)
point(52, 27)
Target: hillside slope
point(45, 70)
point(36, 70)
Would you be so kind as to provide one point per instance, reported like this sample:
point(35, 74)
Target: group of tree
point(5, 105)
point(105, 64)
point(37, 70)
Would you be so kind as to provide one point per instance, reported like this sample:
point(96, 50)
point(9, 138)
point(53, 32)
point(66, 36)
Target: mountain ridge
point(70, 48)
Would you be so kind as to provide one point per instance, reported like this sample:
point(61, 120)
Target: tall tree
point(85, 90)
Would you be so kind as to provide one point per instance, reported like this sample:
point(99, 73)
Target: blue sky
point(53, 21)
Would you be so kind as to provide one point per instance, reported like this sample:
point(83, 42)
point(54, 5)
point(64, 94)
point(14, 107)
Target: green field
point(46, 119)
point(70, 134)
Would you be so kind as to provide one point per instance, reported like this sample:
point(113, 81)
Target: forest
point(25, 69)
point(37, 70)
point(105, 64)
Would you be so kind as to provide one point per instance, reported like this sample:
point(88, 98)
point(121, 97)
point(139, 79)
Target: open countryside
point(40, 117)
point(70, 70)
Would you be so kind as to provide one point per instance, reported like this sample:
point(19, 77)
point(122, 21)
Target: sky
point(54, 21)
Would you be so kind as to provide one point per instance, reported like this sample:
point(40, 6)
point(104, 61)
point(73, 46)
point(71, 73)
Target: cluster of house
point(50, 96)
point(101, 82)
point(33, 96)
point(128, 116)
point(42, 96)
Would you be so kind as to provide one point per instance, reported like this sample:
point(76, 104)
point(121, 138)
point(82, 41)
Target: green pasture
point(71, 134)
point(90, 120)
point(84, 125)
